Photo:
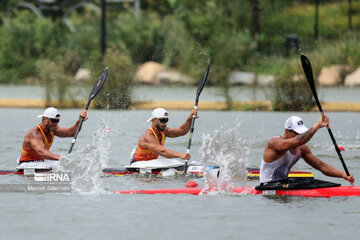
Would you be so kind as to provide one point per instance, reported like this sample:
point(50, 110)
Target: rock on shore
point(333, 75)
point(353, 79)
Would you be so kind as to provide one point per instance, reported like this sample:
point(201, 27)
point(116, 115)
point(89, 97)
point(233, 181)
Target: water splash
point(228, 151)
point(86, 164)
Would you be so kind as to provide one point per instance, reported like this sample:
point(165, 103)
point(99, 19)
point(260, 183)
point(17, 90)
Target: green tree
point(24, 39)
point(291, 90)
point(52, 76)
point(118, 87)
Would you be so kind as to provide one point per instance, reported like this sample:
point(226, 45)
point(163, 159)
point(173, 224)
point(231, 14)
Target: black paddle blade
point(98, 85)
point(202, 83)
point(308, 73)
point(310, 78)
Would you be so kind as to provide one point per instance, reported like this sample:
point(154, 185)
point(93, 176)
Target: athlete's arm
point(281, 144)
point(70, 132)
point(323, 167)
point(277, 146)
point(150, 142)
point(184, 128)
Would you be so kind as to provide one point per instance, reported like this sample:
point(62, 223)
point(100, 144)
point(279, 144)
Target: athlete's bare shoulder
point(34, 132)
point(149, 136)
point(273, 142)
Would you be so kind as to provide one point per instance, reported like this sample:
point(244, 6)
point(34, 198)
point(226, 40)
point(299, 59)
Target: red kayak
point(340, 191)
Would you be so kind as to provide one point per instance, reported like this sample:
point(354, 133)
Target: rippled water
point(233, 139)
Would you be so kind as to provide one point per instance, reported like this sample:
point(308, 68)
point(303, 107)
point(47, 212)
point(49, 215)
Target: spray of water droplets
point(85, 165)
point(229, 152)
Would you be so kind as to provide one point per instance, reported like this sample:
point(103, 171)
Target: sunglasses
point(54, 120)
point(163, 120)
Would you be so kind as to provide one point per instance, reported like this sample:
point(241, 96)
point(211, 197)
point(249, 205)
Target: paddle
point(96, 89)
point(198, 92)
point(309, 76)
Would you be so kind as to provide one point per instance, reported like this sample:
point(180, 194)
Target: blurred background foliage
point(242, 35)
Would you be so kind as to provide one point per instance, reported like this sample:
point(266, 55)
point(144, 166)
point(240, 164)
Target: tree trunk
point(316, 26)
point(350, 15)
point(255, 18)
point(103, 27)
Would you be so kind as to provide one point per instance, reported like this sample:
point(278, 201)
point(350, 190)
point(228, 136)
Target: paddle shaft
point(191, 132)
point(193, 120)
point(189, 143)
point(198, 92)
point(309, 76)
point(76, 134)
point(96, 89)
point(332, 137)
point(79, 127)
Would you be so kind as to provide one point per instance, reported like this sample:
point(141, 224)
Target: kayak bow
point(340, 191)
point(305, 187)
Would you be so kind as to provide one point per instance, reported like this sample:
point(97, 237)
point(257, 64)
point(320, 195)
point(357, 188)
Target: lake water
point(92, 211)
point(186, 93)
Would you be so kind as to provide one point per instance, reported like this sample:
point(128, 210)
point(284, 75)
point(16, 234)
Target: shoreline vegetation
point(179, 105)
point(261, 37)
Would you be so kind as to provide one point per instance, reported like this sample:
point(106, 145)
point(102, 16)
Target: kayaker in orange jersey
point(282, 152)
point(151, 143)
point(37, 141)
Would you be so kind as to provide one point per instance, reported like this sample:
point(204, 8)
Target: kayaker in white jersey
point(282, 152)
point(37, 141)
point(151, 143)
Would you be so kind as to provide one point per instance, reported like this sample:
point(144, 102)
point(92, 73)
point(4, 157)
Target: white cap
point(50, 113)
point(158, 113)
point(296, 124)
